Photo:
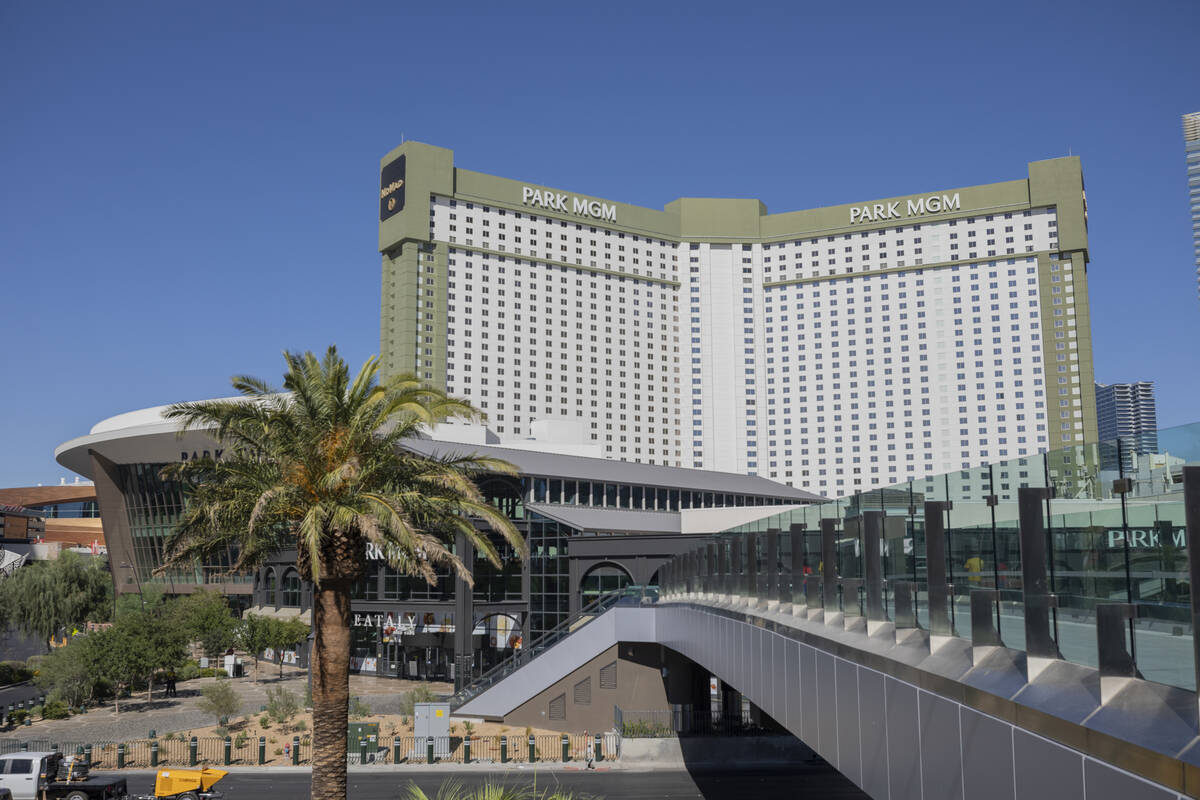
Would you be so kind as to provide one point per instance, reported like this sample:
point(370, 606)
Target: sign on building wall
point(391, 189)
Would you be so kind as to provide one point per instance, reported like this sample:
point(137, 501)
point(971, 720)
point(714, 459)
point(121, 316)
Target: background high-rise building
point(1191, 143)
point(834, 349)
point(1125, 412)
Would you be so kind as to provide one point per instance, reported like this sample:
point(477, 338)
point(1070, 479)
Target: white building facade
point(835, 350)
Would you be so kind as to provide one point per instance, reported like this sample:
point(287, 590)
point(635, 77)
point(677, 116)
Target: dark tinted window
point(20, 766)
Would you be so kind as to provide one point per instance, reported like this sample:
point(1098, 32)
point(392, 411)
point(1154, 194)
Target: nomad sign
point(558, 201)
point(877, 212)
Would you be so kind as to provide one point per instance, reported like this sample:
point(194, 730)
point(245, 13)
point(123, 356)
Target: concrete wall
point(640, 685)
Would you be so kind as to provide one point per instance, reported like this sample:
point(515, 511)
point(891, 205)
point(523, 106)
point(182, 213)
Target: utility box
point(362, 730)
point(432, 719)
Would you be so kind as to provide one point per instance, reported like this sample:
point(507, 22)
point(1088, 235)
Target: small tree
point(253, 635)
point(72, 672)
point(286, 633)
point(219, 701)
point(206, 618)
point(282, 705)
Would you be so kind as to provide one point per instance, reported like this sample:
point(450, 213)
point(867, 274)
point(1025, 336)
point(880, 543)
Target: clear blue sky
point(188, 189)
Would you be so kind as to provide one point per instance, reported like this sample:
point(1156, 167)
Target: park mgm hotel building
point(836, 349)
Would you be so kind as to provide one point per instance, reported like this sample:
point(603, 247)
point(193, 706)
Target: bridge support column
point(1040, 646)
point(711, 576)
point(1115, 663)
point(1191, 503)
point(737, 586)
point(872, 529)
point(829, 574)
point(752, 577)
point(941, 624)
point(770, 596)
point(799, 598)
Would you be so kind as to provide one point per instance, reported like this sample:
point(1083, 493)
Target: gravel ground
point(137, 716)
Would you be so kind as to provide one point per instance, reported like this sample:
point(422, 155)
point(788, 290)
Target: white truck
point(34, 776)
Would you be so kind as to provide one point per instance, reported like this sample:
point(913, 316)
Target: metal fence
point(282, 750)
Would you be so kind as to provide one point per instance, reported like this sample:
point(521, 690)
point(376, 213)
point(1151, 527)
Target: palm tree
point(321, 468)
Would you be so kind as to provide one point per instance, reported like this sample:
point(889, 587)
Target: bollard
point(429, 749)
point(262, 750)
point(154, 754)
point(192, 747)
point(54, 747)
point(396, 750)
point(295, 751)
point(362, 750)
point(87, 755)
point(503, 749)
point(25, 746)
point(599, 751)
point(121, 756)
point(228, 751)
point(532, 749)
point(566, 748)
point(467, 749)
point(153, 734)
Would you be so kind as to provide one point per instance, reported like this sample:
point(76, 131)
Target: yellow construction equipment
point(189, 783)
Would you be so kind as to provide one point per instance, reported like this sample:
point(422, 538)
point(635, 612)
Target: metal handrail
point(632, 594)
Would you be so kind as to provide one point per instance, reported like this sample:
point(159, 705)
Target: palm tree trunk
point(330, 688)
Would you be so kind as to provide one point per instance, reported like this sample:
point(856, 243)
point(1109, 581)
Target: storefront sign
point(1140, 537)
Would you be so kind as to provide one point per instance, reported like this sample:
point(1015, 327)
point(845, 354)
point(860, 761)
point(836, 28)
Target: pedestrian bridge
point(906, 686)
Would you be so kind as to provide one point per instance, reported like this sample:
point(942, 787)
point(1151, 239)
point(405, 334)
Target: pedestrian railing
point(283, 750)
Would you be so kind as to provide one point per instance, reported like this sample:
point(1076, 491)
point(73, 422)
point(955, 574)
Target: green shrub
point(188, 671)
point(421, 694)
point(241, 739)
point(213, 672)
point(300, 725)
point(18, 716)
point(55, 709)
point(282, 705)
point(221, 732)
point(359, 709)
point(264, 722)
point(36, 711)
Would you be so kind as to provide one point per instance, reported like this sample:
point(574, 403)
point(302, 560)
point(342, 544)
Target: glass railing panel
point(1160, 586)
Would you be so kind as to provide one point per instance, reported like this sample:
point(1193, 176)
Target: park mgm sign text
point(877, 212)
point(557, 201)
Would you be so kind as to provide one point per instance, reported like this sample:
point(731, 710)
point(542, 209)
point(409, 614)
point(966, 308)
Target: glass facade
point(154, 505)
point(636, 497)
point(1111, 537)
point(549, 575)
point(82, 509)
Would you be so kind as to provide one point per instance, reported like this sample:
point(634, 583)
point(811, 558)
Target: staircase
point(629, 596)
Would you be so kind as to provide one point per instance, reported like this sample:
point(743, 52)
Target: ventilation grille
point(558, 707)
point(583, 692)
point(608, 676)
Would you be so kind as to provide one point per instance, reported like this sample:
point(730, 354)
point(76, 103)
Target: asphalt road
point(794, 783)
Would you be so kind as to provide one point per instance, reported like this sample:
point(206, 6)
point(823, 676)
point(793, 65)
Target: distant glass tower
point(1125, 412)
point(1191, 140)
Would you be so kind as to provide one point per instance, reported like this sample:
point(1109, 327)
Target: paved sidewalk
point(138, 717)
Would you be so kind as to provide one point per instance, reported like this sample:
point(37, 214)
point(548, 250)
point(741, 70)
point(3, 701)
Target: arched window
point(269, 587)
point(291, 589)
point(602, 579)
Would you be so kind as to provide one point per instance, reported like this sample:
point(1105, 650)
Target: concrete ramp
point(617, 624)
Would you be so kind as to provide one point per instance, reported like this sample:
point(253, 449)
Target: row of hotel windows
point(643, 498)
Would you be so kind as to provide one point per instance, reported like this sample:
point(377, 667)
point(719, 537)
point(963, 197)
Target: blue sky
point(188, 189)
